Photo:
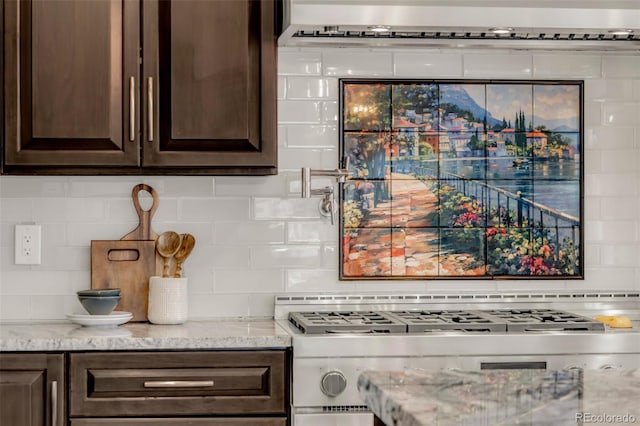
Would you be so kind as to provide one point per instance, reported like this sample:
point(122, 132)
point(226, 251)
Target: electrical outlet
point(28, 244)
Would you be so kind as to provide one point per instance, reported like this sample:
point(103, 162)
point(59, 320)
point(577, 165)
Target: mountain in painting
point(455, 94)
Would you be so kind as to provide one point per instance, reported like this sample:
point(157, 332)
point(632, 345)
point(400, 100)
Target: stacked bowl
point(99, 301)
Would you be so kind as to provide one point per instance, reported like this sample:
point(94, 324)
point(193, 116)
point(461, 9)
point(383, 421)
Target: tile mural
point(461, 179)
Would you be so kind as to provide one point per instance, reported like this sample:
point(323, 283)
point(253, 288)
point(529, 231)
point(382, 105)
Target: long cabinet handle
point(132, 108)
point(179, 384)
point(54, 403)
point(150, 106)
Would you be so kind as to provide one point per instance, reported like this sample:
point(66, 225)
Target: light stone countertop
point(213, 334)
point(502, 397)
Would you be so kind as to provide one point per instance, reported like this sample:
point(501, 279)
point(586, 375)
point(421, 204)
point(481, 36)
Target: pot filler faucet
point(327, 205)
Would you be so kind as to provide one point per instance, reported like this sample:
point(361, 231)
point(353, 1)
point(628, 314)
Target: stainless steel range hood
point(533, 24)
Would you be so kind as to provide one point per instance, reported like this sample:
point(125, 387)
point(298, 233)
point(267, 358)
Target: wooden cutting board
point(128, 263)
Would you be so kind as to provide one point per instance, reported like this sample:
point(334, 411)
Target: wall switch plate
point(28, 244)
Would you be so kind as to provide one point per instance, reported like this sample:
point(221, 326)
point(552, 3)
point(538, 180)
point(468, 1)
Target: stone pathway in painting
point(405, 243)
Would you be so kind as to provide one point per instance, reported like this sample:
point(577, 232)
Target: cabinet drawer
point(177, 383)
point(253, 421)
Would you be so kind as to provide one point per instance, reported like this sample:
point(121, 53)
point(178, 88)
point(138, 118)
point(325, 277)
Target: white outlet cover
point(28, 244)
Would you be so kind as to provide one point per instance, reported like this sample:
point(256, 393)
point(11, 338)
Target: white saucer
point(113, 319)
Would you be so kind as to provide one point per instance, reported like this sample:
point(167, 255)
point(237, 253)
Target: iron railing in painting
point(525, 212)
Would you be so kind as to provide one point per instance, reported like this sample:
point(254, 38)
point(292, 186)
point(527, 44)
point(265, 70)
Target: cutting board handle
point(143, 231)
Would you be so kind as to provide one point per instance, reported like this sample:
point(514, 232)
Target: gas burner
point(345, 322)
point(518, 320)
point(440, 321)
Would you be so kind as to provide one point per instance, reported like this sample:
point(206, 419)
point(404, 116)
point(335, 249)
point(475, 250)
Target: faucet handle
point(328, 203)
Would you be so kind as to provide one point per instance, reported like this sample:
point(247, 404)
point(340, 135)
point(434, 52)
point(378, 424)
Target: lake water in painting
point(552, 184)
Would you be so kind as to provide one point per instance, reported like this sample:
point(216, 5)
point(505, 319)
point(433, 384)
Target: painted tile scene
point(457, 179)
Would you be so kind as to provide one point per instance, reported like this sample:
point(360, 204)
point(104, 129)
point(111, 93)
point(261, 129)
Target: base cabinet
point(32, 390)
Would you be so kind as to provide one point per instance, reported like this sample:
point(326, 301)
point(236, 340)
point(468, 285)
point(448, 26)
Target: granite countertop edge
point(196, 334)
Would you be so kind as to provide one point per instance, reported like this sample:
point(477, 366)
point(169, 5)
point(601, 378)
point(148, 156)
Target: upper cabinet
point(129, 87)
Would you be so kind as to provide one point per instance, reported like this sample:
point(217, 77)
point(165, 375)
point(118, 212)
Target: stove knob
point(333, 383)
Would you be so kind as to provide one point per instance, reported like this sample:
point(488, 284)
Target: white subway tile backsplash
point(498, 66)
point(255, 236)
point(16, 210)
point(620, 160)
point(618, 208)
point(285, 208)
point(620, 113)
point(612, 184)
point(282, 88)
point(15, 307)
point(563, 66)
point(295, 158)
point(357, 63)
point(311, 232)
point(299, 111)
point(297, 256)
point(312, 88)
point(602, 90)
point(48, 307)
point(614, 66)
point(620, 254)
point(69, 209)
point(316, 280)
point(292, 61)
point(311, 136)
point(619, 231)
point(199, 210)
point(28, 281)
point(252, 281)
point(605, 138)
point(427, 65)
point(241, 233)
point(222, 256)
point(32, 186)
point(330, 256)
point(241, 186)
point(330, 112)
point(203, 306)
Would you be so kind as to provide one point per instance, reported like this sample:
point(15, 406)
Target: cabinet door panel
point(27, 386)
point(67, 82)
point(168, 384)
point(213, 99)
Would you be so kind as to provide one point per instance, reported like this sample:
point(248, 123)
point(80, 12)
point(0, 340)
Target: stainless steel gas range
point(336, 337)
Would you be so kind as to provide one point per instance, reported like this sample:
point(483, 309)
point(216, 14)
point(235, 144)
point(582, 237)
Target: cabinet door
point(71, 69)
point(209, 70)
point(31, 390)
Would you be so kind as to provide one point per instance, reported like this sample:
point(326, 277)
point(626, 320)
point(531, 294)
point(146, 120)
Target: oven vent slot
point(418, 298)
point(344, 408)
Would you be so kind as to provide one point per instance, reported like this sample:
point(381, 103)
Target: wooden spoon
point(167, 245)
point(188, 241)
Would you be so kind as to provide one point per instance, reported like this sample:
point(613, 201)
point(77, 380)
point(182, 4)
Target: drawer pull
point(179, 384)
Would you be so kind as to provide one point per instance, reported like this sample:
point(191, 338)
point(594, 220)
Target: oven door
point(333, 419)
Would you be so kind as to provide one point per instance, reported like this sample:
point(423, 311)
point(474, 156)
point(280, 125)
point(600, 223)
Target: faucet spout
point(340, 175)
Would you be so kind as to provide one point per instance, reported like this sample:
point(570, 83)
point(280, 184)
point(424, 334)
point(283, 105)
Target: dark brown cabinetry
point(222, 385)
point(89, 90)
point(32, 390)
